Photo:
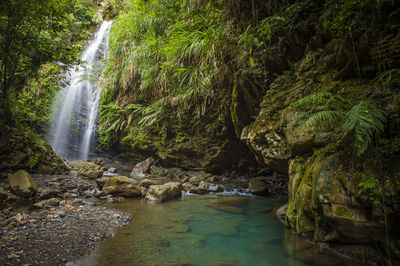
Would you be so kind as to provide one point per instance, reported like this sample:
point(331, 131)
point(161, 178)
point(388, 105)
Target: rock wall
point(327, 193)
point(22, 150)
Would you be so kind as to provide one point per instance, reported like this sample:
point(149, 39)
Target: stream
point(207, 230)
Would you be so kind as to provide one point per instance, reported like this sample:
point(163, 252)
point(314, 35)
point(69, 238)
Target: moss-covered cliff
point(310, 87)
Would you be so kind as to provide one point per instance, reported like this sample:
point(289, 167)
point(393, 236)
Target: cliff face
point(336, 195)
point(310, 87)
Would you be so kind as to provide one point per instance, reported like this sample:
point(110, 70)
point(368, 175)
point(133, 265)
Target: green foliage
point(350, 12)
point(323, 110)
point(370, 191)
point(255, 37)
point(365, 120)
point(164, 59)
point(34, 32)
point(33, 104)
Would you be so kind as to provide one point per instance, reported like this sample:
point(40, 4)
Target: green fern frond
point(323, 117)
point(365, 120)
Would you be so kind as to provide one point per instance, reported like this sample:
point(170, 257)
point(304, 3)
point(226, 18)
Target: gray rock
point(148, 182)
point(47, 203)
point(161, 193)
point(141, 168)
point(122, 186)
point(87, 169)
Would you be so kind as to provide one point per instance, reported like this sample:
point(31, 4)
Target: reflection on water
point(207, 230)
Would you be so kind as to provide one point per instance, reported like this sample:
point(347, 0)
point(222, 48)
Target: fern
point(322, 117)
point(320, 111)
point(365, 120)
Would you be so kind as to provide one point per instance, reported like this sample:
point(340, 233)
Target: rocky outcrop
point(22, 184)
point(161, 193)
point(23, 150)
point(87, 169)
point(141, 168)
point(122, 186)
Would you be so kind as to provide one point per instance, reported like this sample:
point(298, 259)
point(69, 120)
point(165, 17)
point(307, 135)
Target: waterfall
point(72, 133)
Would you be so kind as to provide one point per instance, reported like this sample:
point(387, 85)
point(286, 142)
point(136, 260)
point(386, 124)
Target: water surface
point(207, 230)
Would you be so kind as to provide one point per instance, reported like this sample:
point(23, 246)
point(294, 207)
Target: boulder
point(160, 193)
point(258, 187)
point(148, 182)
point(211, 187)
point(141, 168)
point(22, 184)
point(87, 169)
point(47, 203)
point(205, 187)
point(48, 193)
point(122, 186)
point(195, 180)
point(101, 181)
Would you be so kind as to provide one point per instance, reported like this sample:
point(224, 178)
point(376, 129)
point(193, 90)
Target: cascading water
point(72, 134)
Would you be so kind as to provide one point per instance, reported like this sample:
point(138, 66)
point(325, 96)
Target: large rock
point(258, 187)
point(22, 184)
point(149, 182)
point(87, 169)
point(160, 193)
point(205, 187)
point(122, 186)
point(141, 168)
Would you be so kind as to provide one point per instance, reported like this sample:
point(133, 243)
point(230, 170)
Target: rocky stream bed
point(57, 219)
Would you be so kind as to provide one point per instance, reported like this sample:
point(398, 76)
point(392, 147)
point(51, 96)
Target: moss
point(343, 212)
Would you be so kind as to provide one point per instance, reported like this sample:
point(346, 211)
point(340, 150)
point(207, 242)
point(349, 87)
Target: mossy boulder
point(148, 182)
point(161, 193)
point(21, 150)
point(22, 184)
point(87, 169)
point(122, 186)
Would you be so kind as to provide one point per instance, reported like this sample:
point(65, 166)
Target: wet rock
point(227, 205)
point(210, 187)
point(69, 195)
point(195, 180)
point(258, 187)
point(101, 181)
point(112, 170)
point(48, 193)
point(87, 169)
point(22, 184)
point(148, 182)
point(141, 168)
point(47, 203)
point(160, 193)
point(122, 186)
